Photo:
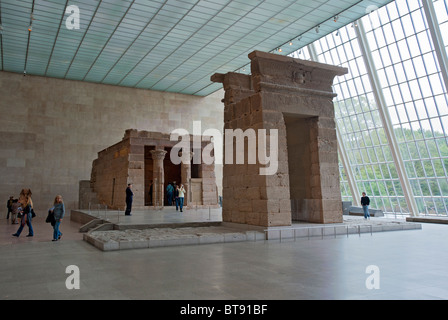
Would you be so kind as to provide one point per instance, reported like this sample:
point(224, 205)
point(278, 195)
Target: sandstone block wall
point(295, 98)
point(124, 162)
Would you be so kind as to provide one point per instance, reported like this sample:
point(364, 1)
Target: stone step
point(91, 225)
point(96, 225)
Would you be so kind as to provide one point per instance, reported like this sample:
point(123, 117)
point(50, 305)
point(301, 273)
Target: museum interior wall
point(51, 130)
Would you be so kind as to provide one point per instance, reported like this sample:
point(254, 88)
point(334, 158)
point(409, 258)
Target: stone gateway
point(296, 98)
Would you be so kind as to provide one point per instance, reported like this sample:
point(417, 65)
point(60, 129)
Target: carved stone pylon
point(294, 97)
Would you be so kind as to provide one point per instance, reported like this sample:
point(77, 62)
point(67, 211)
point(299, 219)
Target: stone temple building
point(293, 97)
point(142, 158)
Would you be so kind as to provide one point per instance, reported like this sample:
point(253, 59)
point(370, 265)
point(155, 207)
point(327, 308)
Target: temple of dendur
point(296, 98)
point(291, 96)
point(140, 158)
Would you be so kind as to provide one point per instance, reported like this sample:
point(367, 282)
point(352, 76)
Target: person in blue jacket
point(58, 214)
point(170, 194)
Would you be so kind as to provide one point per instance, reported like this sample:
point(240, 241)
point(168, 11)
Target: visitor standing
point(58, 214)
point(169, 194)
point(129, 198)
point(176, 196)
point(365, 202)
point(181, 196)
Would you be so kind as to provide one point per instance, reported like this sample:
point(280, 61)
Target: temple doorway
point(299, 138)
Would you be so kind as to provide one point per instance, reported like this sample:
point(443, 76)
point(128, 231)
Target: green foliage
point(424, 152)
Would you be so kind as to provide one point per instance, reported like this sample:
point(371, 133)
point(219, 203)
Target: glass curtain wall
point(415, 97)
point(411, 81)
point(359, 123)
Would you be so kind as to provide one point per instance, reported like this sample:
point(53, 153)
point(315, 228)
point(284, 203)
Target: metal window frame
point(434, 29)
point(385, 117)
point(361, 149)
point(341, 148)
point(378, 163)
point(423, 140)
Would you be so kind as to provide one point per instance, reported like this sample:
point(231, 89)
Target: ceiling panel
point(166, 45)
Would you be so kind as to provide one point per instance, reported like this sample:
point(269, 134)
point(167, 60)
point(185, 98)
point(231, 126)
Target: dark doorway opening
point(299, 136)
point(172, 174)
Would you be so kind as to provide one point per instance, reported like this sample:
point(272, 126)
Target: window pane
point(415, 97)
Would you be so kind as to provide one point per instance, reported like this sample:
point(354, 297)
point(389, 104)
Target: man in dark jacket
point(129, 197)
point(365, 202)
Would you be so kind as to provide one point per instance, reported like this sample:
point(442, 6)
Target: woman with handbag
point(27, 211)
point(58, 214)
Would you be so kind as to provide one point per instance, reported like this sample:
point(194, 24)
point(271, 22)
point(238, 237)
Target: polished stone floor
point(409, 264)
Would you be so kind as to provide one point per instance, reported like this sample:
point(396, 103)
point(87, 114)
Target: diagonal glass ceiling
point(165, 45)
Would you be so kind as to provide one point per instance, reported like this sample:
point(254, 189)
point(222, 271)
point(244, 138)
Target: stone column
point(293, 97)
point(158, 177)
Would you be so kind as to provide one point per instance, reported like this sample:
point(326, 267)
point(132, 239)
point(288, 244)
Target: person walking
point(365, 202)
point(129, 198)
point(181, 196)
point(27, 210)
point(58, 214)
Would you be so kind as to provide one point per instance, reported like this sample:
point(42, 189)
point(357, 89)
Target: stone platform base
point(139, 237)
point(351, 225)
point(168, 236)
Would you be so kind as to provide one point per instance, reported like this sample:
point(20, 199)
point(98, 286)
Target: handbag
point(50, 217)
point(33, 214)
